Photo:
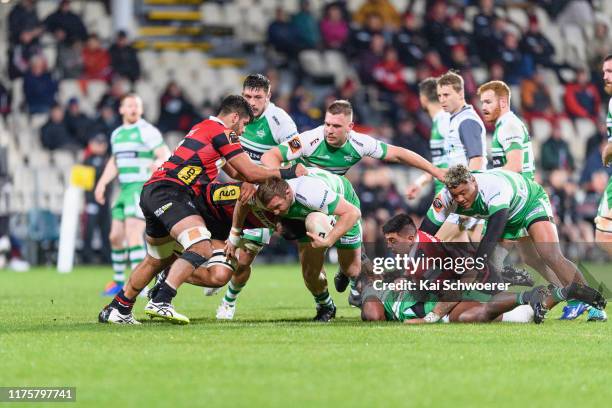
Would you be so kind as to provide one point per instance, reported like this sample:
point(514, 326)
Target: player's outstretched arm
point(397, 154)
point(476, 163)
point(348, 215)
point(251, 172)
point(413, 189)
point(108, 175)
point(272, 158)
point(495, 229)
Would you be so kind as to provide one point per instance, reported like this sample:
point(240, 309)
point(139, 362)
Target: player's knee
point(117, 239)
point(218, 276)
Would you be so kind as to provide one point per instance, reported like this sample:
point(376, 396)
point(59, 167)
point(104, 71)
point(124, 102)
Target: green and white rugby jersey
point(313, 150)
point(603, 221)
point(439, 130)
point(320, 191)
point(512, 134)
point(497, 190)
point(133, 147)
point(272, 128)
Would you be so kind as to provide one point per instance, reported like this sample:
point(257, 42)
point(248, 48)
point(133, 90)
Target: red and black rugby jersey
point(198, 158)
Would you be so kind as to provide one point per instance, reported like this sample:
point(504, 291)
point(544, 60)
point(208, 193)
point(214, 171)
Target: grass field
point(272, 355)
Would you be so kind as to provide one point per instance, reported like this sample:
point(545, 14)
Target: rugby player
point(402, 237)
point(510, 203)
point(171, 216)
point(336, 147)
point(511, 150)
point(294, 199)
point(465, 144)
point(270, 127)
point(137, 150)
point(440, 120)
point(603, 222)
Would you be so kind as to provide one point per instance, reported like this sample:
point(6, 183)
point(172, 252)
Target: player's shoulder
point(361, 140)
point(313, 136)
point(425, 237)
point(277, 116)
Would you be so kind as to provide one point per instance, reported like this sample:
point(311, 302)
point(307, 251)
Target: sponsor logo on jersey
point(232, 137)
point(189, 173)
point(314, 141)
point(224, 193)
point(437, 204)
point(324, 157)
point(162, 209)
point(358, 143)
point(324, 199)
point(348, 158)
point(276, 120)
point(294, 144)
point(260, 133)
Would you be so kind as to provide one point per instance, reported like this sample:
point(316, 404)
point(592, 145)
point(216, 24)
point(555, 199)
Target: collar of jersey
point(501, 118)
point(466, 106)
point(133, 125)
point(216, 119)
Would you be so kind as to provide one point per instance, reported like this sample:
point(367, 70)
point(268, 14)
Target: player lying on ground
point(403, 238)
point(510, 203)
point(294, 199)
point(168, 205)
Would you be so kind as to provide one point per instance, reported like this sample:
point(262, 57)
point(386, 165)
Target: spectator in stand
point(69, 62)
point(362, 37)
point(536, 46)
point(113, 96)
point(435, 26)
point(306, 27)
point(301, 110)
point(555, 153)
point(460, 62)
point(5, 100)
point(176, 112)
point(409, 42)
point(24, 29)
point(23, 19)
point(484, 32)
point(390, 17)
point(407, 137)
point(389, 73)
point(434, 63)
point(38, 86)
point(536, 99)
point(593, 163)
point(107, 121)
point(581, 98)
point(496, 72)
point(65, 25)
point(512, 59)
point(124, 59)
point(334, 29)
point(96, 60)
point(78, 124)
point(456, 36)
point(599, 47)
point(282, 35)
point(54, 134)
point(368, 59)
point(98, 216)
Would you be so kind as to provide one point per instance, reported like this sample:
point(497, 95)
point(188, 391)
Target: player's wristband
point(431, 317)
point(234, 239)
point(288, 173)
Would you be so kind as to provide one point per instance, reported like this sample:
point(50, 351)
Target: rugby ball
point(319, 223)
